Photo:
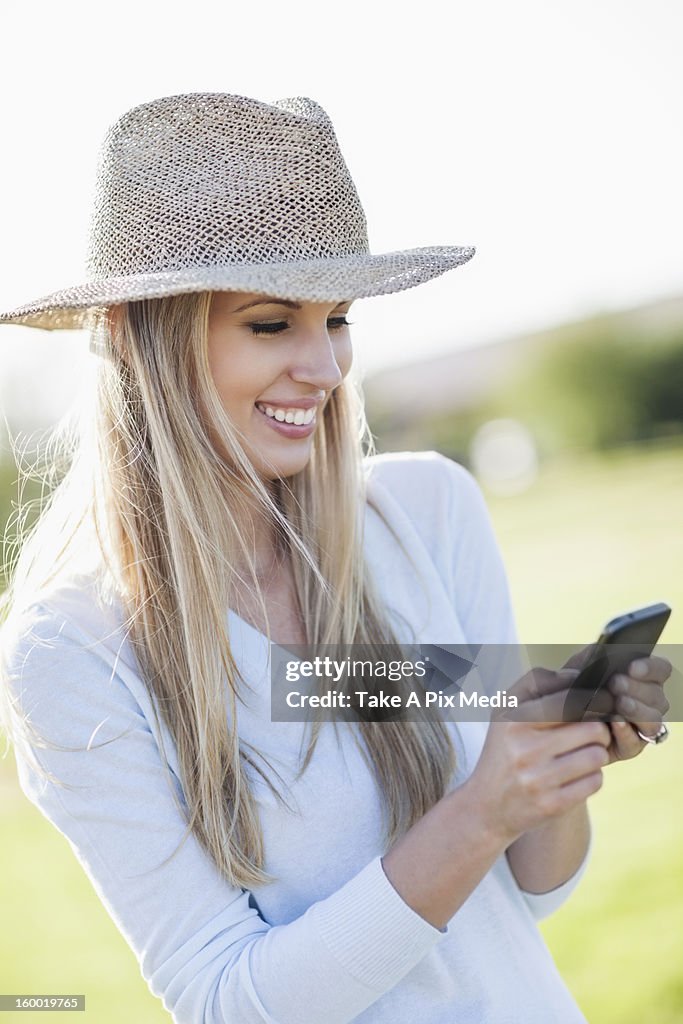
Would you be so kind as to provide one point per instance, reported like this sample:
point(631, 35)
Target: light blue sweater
point(331, 941)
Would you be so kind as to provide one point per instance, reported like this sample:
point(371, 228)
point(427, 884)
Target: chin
point(279, 468)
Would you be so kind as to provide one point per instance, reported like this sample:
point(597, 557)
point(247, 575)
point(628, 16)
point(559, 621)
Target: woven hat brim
point(315, 280)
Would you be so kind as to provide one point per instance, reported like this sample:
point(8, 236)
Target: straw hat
point(214, 192)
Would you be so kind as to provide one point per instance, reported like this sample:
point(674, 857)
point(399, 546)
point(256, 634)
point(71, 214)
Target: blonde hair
point(164, 507)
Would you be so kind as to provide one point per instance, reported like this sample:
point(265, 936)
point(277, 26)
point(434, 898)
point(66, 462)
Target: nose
point(316, 361)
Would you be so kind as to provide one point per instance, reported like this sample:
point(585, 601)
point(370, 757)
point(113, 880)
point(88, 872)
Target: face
point(275, 364)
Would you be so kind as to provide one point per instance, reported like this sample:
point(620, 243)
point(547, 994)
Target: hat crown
point(212, 179)
point(215, 192)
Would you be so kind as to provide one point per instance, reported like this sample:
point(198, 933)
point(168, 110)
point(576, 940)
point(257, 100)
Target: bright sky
point(548, 135)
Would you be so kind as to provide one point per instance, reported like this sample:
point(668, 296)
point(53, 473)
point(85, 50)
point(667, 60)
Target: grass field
point(593, 537)
point(596, 536)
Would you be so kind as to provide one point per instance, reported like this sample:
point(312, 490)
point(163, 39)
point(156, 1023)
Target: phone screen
point(623, 640)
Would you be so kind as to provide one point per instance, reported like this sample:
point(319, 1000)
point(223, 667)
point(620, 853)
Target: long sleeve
point(481, 595)
point(201, 944)
point(439, 505)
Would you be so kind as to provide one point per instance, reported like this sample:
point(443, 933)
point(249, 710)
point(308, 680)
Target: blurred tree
point(594, 385)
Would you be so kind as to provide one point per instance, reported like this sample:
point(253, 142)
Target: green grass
point(594, 536)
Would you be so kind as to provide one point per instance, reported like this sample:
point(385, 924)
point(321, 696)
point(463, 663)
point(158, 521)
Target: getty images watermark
point(458, 682)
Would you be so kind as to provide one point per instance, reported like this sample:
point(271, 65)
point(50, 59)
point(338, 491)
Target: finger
point(627, 742)
point(577, 763)
point(544, 710)
point(601, 705)
point(654, 668)
point(574, 793)
point(552, 682)
point(637, 712)
point(575, 735)
point(649, 693)
point(558, 800)
point(549, 709)
point(535, 683)
point(580, 658)
point(646, 729)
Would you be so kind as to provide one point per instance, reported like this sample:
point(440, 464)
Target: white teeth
point(299, 417)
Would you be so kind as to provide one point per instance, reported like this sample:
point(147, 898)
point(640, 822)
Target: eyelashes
point(335, 323)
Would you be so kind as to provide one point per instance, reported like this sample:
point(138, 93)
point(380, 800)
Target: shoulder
point(435, 504)
point(425, 484)
point(429, 504)
point(63, 656)
point(428, 466)
point(70, 613)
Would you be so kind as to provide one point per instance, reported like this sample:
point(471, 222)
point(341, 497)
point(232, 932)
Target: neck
point(261, 539)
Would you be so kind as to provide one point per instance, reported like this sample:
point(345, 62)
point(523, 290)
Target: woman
point(218, 498)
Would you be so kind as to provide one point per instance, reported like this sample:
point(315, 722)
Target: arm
point(553, 855)
point(443, 857)
point(547, 861)
point(529, 777)
point(202, 947)
point(550, 856)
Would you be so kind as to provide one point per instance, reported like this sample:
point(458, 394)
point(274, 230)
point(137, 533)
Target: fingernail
point(619, 684)
point(628, 703)
point(568, 674)
point(638, 668)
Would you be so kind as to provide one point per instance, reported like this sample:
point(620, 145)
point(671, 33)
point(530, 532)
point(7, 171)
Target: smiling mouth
point(291, 417)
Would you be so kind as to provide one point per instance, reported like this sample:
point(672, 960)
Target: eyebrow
point(268, 302)
point(277, 302)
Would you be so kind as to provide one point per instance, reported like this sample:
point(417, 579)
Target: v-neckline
point(247, 625)
point(255, 634)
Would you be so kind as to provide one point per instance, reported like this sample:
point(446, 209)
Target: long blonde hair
point(144, 478)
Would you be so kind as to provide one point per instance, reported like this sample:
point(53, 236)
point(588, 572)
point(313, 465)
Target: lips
point(291, 430)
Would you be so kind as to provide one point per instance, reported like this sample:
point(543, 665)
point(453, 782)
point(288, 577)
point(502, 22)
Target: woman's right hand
point(534, 767)
point(530, 770)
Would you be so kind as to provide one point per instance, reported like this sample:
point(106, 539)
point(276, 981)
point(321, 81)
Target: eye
point(335, 323)
point(269, 328)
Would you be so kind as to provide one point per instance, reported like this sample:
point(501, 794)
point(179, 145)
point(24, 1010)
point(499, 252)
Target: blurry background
point(548, 135)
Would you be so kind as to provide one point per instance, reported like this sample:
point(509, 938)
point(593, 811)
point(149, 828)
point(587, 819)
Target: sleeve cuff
point(543, 904)
point(371, 930)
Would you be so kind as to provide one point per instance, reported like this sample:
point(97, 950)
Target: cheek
point(344, 355)
point(223, 375)
point(218, 358)
point(238, 374)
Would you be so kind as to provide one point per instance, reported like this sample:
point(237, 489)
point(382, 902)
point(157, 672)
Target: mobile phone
point(622, 641)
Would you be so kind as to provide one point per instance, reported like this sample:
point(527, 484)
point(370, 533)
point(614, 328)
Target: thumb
point(539, 682)
point(580, 658)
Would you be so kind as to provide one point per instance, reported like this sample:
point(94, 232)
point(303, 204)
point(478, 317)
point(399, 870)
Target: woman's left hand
point(639, 702)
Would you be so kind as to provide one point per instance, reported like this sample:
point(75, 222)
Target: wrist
point(472, 803)
point(550, 854)
point(440, 860)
